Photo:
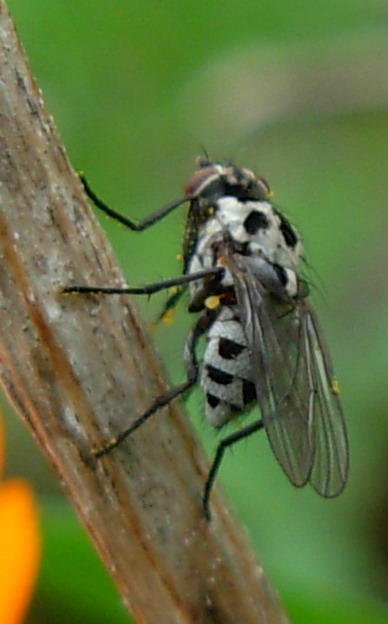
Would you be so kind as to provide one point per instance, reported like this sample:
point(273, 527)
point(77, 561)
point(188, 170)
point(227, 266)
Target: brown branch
point(76, 368)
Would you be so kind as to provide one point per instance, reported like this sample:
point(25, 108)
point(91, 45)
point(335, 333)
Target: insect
point(241, 266)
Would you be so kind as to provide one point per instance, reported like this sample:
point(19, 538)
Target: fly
point(264, 346)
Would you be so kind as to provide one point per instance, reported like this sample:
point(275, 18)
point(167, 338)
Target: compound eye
point(199, 179)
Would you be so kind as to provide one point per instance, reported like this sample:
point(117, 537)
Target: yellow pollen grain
point(168, 317)
point(212, 302)
point(335, 387)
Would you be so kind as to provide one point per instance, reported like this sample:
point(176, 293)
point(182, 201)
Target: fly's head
point(213, 180)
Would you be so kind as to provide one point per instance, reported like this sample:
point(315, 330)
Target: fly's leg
point(245, 432)
point(191, 366)
point(148, 289)
point(136, 226)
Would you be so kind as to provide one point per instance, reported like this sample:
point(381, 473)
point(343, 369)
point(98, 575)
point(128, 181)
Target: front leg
point(135, 226)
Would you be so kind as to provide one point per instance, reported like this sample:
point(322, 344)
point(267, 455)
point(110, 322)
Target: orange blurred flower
point(19, 545)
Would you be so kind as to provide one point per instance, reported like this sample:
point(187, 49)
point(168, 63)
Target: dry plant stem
point(78, 368)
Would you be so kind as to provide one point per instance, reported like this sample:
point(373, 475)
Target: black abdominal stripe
point(226, 372)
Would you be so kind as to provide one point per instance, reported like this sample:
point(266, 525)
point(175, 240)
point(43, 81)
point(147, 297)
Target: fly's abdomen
point(226, 376)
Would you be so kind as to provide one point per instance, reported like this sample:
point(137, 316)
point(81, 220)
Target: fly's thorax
point(254, 229)
point(261, 228)
point(226, 375)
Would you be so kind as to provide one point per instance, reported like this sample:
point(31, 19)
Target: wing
point(294, 383)
point(331, 461)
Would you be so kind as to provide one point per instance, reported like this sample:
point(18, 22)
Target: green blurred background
point(299, 92)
